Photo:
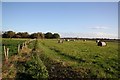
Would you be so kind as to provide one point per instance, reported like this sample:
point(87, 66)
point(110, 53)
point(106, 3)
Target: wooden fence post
point(4, 51)
point(7, 54)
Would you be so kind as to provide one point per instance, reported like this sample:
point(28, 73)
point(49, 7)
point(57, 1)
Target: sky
point(60, 0)
point(69, 19)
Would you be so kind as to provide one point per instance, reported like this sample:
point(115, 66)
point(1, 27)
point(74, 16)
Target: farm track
point(58, 68)
point(64, 55)
point(72, 58)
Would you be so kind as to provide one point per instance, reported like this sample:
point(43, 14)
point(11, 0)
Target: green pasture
point(76, 59)
point(95, 61)
point(12, 44)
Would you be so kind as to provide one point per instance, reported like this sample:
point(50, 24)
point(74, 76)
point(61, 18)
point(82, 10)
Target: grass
point(12, 44)
point(25, 66)
point(78, 59)
point(101, 61)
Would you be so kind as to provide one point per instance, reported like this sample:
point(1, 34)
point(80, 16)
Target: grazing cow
point(60, 41)
point(100, 43)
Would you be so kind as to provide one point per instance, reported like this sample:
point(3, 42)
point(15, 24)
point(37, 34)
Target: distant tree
point(37, 35)
point(23, 34)
point(8, 34)
point(19, 33)
point(17, 36)
point(34, 35)
point(55, 35)
point(48, 35)
point(4, 34)
point(40, 35)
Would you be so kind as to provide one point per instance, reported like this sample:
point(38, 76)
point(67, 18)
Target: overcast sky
point(69, 19)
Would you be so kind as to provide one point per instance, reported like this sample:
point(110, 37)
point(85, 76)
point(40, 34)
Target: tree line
point(40, 35)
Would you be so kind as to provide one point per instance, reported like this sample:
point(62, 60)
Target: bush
point(36, 68)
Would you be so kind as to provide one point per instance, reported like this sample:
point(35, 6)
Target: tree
point(8, 34)
point(48, 35)
point(37, 35)
point(55, 35)
point(40, 35)
point(33, 35)
point(23, 34)
point(17, 36)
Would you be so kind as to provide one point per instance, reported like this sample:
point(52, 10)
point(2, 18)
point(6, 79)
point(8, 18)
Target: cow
point(100, 43)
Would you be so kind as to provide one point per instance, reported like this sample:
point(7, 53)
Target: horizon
point(63, 37)
point(75, 19)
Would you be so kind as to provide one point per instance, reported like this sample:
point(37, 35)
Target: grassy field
point(85, 57)
point(12, 44)
point(74, 59)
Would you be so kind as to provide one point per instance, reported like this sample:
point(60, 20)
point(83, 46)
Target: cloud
point(90, 35)
point(99, 27)
point(105, 35)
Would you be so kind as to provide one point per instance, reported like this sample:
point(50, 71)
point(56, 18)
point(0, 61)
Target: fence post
point(7, 54)
point(5, 51)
